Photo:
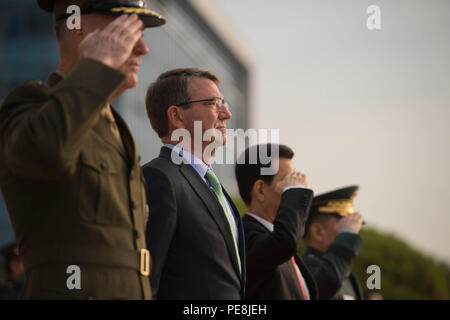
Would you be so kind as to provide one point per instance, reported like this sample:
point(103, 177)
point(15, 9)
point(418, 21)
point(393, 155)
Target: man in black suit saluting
point(278, 205)
point(194, 233)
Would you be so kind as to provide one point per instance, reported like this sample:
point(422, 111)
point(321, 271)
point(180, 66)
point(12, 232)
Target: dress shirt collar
point(264, 222)
point(194, 161)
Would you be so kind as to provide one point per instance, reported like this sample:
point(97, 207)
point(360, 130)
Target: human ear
point(175, 117)
point(259, 190)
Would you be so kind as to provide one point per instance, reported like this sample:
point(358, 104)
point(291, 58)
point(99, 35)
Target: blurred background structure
point(357, 106)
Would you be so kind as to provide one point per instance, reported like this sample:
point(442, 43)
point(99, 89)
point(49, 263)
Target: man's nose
point(225, 113)
point(140, 48)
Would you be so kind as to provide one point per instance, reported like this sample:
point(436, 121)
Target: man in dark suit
point(333, 244)
point(194, 232)
point(69, 168)
point(278, 205)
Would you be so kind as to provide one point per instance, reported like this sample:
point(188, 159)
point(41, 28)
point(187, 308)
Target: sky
point(359, 106)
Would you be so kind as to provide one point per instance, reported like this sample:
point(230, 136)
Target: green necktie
point(217, 188)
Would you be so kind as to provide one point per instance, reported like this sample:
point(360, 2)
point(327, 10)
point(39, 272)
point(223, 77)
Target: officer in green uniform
point(333, 243)
point(69, 167)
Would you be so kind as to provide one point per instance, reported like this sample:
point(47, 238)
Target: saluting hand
point(353, 221)
point(114, 44)
point(293, 179)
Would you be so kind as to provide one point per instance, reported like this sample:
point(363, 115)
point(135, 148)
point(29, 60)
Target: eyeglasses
point(218, 103)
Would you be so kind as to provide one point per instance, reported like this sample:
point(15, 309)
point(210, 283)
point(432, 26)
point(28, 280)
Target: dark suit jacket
point(189, 237)
point(270, 273)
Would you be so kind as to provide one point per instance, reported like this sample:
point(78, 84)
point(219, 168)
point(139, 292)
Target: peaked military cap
point(111, 7)
point(338, 202)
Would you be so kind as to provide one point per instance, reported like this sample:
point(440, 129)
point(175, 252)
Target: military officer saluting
point(333, 243)
point(69, 168)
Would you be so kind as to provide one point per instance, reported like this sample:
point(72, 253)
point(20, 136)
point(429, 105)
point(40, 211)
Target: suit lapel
point(312, 286)
point(210, 200)
point(356, 287)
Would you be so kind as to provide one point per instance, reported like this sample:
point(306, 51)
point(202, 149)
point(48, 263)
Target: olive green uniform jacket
point(74, 193)
point(332, 270)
